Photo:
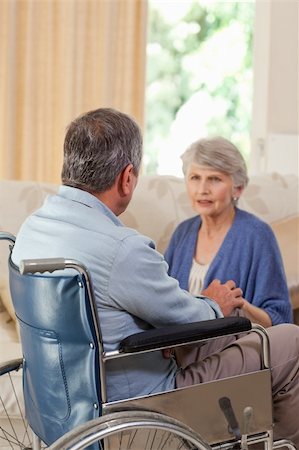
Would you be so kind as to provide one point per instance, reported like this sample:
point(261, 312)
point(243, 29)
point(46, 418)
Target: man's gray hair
point(98, 145)
point(220, 154)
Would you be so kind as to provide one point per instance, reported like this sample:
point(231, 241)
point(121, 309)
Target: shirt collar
point(89, 200)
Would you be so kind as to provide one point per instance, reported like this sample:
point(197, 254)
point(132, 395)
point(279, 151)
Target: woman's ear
point(237, 192)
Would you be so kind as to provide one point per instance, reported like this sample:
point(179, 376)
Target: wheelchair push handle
point(41, 265)
point(7, 237)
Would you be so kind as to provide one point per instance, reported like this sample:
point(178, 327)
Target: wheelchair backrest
point(61, 380)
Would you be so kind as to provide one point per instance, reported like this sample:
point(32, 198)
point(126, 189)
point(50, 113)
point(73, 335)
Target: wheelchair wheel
point(15, 432)
point(134, 430)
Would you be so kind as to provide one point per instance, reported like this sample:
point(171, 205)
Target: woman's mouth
point(204, 202)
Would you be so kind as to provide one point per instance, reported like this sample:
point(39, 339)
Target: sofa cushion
point(6, 299)
point(18, 199)
point(287, 234)
point(271, 197)
point(8, 331)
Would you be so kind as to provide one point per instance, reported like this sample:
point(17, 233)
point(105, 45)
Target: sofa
point(158, 205)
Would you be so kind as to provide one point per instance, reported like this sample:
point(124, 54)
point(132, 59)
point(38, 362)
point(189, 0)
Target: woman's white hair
point(220, 154)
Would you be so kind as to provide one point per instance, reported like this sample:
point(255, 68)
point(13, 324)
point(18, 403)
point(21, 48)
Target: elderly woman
point(222, 242)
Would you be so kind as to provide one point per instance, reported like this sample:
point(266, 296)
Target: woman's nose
point(203, 187)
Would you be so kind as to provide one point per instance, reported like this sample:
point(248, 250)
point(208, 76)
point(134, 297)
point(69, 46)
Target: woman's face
point(211, 192)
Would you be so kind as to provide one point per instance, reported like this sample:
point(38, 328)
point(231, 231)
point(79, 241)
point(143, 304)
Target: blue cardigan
point(249, 255)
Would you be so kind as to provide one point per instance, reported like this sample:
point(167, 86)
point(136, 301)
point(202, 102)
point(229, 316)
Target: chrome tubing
point(262, 332)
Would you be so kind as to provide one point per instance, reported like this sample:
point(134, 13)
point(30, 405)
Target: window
point(199, 78)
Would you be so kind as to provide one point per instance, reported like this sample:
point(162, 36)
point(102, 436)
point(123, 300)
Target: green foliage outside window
point(199, 75)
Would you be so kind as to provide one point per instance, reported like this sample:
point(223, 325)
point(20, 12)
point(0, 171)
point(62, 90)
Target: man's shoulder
point(57, 229)
point(60, 212)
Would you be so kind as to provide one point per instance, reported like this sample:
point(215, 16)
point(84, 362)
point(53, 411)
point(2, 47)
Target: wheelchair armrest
point(175, 335)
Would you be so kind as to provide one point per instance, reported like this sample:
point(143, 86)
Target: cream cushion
point(18, 199)
point(8, 333)
point(6, 299)
point(287, 234)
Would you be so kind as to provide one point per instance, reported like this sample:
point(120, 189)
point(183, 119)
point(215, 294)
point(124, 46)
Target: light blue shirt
point(133, 291)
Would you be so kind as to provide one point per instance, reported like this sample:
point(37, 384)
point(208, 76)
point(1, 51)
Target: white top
point(196, 277)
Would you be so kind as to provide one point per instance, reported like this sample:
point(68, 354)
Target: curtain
point(58, 59)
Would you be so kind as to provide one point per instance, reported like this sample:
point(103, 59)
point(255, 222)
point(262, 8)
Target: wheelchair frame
point(150, 412)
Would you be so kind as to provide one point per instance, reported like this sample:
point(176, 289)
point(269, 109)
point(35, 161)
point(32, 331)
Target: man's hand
point(227, 295)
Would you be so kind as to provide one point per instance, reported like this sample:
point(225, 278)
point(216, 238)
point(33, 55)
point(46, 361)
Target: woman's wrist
point(256, 314)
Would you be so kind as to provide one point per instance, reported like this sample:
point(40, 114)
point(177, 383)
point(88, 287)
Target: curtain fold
point(58, 59)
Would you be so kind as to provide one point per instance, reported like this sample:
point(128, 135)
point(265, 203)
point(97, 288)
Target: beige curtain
point(59, 58)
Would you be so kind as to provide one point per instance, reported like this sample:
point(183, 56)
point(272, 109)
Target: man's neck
point(112, 201)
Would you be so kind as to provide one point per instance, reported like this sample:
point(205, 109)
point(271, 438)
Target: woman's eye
point(215, 179)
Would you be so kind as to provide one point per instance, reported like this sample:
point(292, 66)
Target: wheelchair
point(65, 405)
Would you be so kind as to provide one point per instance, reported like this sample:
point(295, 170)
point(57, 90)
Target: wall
point(275, 101)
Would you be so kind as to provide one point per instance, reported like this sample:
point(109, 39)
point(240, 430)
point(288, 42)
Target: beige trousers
point(231, 356)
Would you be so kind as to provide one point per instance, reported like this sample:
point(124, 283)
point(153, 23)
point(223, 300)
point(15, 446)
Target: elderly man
point(102, 158)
